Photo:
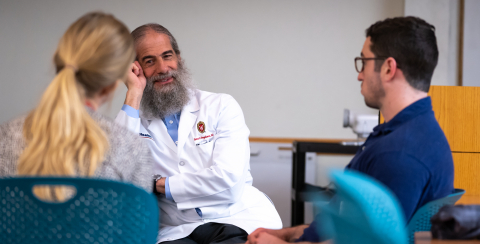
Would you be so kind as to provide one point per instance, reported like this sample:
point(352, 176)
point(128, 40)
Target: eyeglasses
point(360, 62)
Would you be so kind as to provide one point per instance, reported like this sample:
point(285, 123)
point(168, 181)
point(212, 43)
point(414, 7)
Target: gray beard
point(157, 103)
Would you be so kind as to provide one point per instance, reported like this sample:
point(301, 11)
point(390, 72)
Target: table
point(301, 191)
point(425, 237)
point(465, 200)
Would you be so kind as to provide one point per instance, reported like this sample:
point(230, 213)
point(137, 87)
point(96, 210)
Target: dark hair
point(140, 31)
point(411, 42)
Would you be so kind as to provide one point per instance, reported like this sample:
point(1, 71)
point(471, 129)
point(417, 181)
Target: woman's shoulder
point(108, 125)
point(118, 135)
point(128, 157)
point(13, 126)
point(11, 132)
point(11, 145)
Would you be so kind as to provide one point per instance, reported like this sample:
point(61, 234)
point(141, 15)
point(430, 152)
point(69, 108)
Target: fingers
point(258, 231)
point(252, 238)
point(135, 69)
point(266, 238)
point(137, 64)
point(140, 70)
point(263, 238)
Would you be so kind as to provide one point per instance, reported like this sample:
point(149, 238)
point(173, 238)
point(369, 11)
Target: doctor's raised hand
point(135, 83)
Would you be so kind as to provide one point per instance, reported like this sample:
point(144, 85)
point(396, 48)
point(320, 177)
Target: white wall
point(443, 14)
point(471, 45)
point(288, 63)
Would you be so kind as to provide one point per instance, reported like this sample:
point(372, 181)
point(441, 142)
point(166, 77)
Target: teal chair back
point(421, 219)
point(363, 211)
point(101, 211)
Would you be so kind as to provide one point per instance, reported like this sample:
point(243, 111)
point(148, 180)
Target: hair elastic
point(71, 67)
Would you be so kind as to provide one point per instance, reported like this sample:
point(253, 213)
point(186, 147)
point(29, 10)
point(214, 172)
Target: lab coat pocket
point(216, 211)
point(205, 152)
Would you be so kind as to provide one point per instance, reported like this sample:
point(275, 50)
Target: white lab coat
point(209, 170)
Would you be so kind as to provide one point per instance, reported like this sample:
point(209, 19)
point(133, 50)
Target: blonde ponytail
point(67, 142)
point(61, 137)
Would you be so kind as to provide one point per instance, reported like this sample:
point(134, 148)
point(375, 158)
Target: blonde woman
point(63, 136)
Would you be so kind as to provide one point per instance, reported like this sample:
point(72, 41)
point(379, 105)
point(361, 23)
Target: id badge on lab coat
point(203, 139)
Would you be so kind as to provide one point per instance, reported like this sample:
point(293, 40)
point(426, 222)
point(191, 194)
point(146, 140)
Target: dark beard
point(169, 98)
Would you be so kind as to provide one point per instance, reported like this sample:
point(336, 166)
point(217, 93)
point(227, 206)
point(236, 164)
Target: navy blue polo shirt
point(410, 155)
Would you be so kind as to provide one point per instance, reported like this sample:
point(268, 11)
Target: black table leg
point(298, 183)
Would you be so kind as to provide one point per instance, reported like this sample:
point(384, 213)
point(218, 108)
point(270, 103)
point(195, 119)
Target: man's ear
point(389, 69)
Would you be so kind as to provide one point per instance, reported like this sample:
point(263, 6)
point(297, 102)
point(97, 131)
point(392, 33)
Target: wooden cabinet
point(457, 110)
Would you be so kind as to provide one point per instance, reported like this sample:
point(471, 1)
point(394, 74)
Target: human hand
point(136, 79)
point(264, 237)
point(160, 185)
point(254, 236)
point(135, 83)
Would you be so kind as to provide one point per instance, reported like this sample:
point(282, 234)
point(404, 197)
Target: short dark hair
point(140, 31)
point(411, 42)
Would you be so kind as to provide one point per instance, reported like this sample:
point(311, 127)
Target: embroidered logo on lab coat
point(201, 127)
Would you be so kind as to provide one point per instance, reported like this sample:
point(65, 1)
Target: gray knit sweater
point(128, 158)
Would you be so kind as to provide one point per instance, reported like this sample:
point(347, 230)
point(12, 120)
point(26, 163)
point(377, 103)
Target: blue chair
point(363, 211)
point(421, 219)
point(101, 211)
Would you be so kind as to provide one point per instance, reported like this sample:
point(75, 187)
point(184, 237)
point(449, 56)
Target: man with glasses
point(409, 153)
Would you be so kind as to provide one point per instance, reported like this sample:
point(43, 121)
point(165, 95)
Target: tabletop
point(425, 237)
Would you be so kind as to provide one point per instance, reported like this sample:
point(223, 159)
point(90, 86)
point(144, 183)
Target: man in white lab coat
point(199, 142)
